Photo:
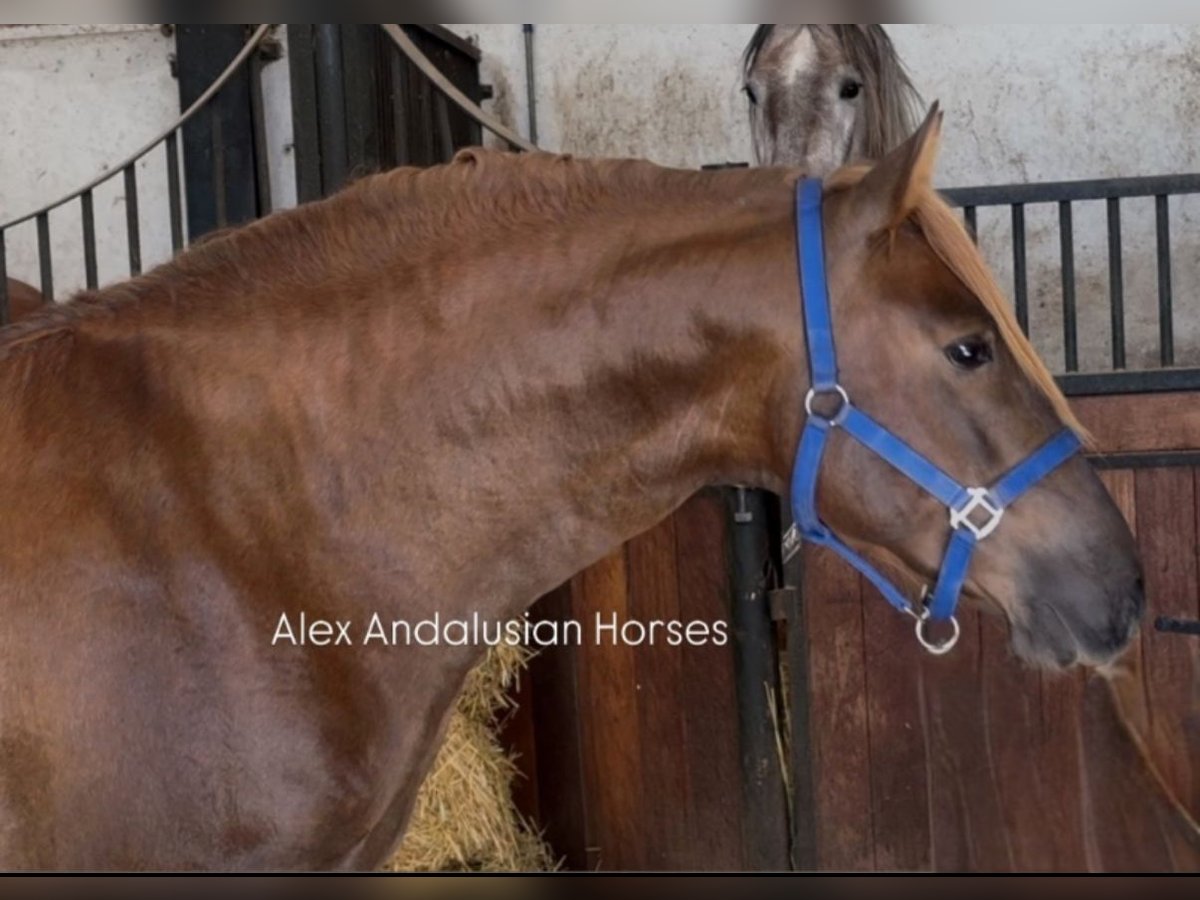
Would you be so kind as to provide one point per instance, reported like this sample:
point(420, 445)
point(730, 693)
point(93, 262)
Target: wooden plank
point(899, 776)
point(964, 799)
point(1120, 486)
point(1132, 825)
point(611, 735)
point(1011, 716)
point(561, 789)
point(1132, 423)
point(1063, 824)
point(664, 796)
point(838, 709)
point(707, 698)
point(1166, 517)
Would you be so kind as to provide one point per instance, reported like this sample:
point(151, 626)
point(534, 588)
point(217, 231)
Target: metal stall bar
point(1020, 277)
point(87, 216)
point(331, 107)
point(1056, 191)
point(764, 800)
point(1067, 240)
point(133, 231)
point(1116, 283)
point(5, 314)
point(173, 192)
point(45, 264)
point(1162, 231)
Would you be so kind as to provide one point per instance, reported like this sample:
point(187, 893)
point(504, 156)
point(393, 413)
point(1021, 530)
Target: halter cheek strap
point(974, 512)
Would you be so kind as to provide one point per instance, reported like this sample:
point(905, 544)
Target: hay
point(464, 819)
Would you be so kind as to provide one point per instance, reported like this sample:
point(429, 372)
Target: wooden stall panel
point(969, 762)
point(635, 748)
point(974, 761)
point(1142, 423)
point(838, 713)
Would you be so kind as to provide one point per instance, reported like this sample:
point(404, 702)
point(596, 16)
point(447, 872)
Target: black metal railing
point(1112, 191)
point(168, 143)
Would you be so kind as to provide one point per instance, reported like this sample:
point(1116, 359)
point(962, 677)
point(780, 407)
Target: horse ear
point(894, 187)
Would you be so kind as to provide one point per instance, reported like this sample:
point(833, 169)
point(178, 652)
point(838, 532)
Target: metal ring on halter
point(843, 410)
point(934, 647)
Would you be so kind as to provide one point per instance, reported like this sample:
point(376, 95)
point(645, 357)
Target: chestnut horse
point(447, 391)
point(23, 300)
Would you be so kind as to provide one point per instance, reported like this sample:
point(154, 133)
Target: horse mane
point(946, 235)
point(893, 102)
point(395, 217)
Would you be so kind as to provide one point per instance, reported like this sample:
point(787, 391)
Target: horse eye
point(750, 95)
point(850, 89)
point(970, 353)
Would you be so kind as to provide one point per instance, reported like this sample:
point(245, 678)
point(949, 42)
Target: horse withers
point(23, 299)
point(446, 391)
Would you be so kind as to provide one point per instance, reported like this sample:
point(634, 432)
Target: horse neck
point(489, 424)
point(602, 388)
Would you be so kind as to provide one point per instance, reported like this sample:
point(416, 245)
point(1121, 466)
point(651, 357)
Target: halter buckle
point(843, 409)
point(979, 498)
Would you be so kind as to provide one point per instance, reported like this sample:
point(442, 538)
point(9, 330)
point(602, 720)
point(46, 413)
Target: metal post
point(530, 84)
point(133, 231)
point(1116, 283)
point(802, 805)
point(1020, 279)
point(1166, 324)
point(764, 803)
point(45, 264)
point(1066, 236)
point(331, 106)
point(87, 218)
point(5, 315)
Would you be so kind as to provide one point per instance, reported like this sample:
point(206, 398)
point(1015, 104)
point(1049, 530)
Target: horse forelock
point(758, 40)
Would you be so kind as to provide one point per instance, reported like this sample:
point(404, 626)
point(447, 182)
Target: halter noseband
point(974, 511)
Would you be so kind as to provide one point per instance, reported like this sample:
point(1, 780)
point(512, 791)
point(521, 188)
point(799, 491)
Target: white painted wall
point(76, 99)
point(1023, 103)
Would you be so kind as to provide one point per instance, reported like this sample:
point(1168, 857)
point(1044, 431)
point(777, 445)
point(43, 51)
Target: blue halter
point(974, 511)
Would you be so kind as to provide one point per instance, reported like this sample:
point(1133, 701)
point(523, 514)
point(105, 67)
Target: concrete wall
point(1023, 103)
point(75, 99)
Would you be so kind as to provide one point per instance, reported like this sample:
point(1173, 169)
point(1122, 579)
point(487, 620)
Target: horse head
point(822, 96)
point(929, 347)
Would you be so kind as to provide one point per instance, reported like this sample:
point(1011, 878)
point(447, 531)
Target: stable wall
point(1023, 103)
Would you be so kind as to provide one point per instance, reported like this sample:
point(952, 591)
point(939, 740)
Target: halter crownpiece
point(975, 512)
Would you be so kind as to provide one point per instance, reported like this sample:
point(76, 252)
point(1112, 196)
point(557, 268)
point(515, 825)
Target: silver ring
point(840, 415)
point(933, 647)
